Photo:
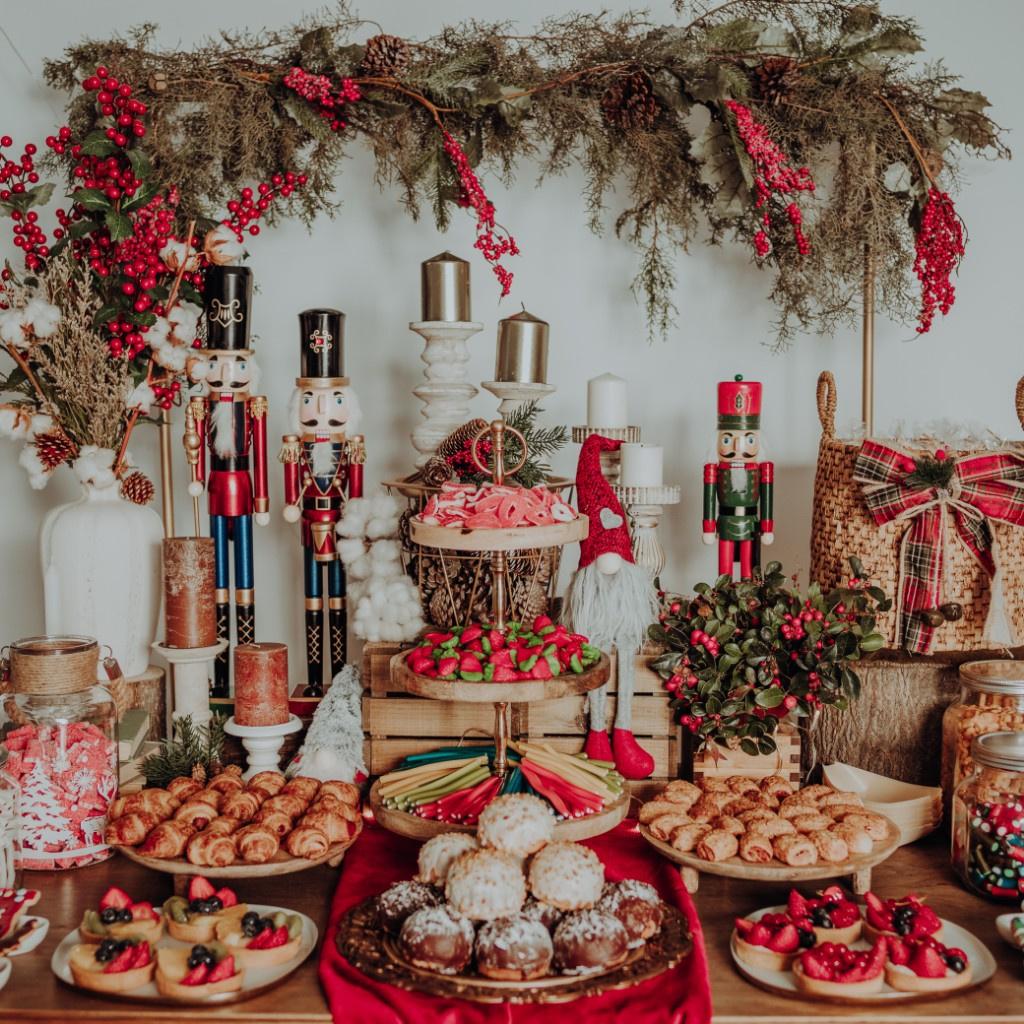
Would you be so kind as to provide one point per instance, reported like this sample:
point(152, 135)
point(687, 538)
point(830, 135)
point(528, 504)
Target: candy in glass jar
point(988, 819)
point(8, 826)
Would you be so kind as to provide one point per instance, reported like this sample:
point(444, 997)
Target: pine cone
point(385, 57)
point(775, 77)
point(436, 472)
point(459, 439)
point(630, 103)
point(199, 773)
point(137, 487)
point(53, 448)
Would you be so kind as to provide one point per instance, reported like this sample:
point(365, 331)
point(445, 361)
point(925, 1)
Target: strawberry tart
point(831, 915)
point(772, 942)
point(905, 918)
point(833, 969)
point(111, 965)
point(925, 965)
point(195, 919)
point(204, 970)
point(120, 917)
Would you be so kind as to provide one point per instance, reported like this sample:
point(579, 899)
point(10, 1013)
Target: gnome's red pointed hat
point(597, 501)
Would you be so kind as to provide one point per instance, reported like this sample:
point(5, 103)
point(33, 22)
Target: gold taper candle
point(445, 289)
point(522, 354)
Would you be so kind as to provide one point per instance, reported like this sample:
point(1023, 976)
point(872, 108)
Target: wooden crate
point(718, 762)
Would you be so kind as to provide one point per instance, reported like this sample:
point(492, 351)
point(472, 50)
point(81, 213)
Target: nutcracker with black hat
point(229, 423)
point(613, 601)
point(739, 487)
point(323, 461)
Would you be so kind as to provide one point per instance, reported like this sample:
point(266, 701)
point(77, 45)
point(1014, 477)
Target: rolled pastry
point(211, 850)
point(256, 844)
point(739, 805)
point(726, 823)
point(223, 825)
point(842, 811)
point(307, 842)
point(681, 792)
point(756, 814)
point(795, 850)
point(242, 806)
point(183, 787)
point(334, 826)
point(715, 785)
point(267, 783)
point(195, 813)
point(811, 822)
point(840, 798)
point(130, 829)
point(816, 792)
point(225, 783)
point(831, 848)
point(717, 845)
point(276, 820)
point(856, 839)
point(303, 787)
point(213, 797)
point(655, 809)
point(772, 827)
point(686, 837)
point(743, 786)
point(159, 802)
point(662, 826)
point(777, 786)
point(709, 806)
point(347, 792)
point(756, 848)
point(874, 824)
point(287, 803)
point(794, 806)
point(332, 804)
point(167, 840)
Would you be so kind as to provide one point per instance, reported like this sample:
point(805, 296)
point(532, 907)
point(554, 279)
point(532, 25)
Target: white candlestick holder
point(190, 675)
point(644, 508)
point(514, 393)
point(610, 461)
point(262, 743)
point(446, 393)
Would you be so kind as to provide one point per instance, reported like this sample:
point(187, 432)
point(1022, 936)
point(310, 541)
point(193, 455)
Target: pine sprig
point(541, 443)
point(190, 745)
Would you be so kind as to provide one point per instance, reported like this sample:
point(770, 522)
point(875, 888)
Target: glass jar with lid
point(8, 826)
point(60, 731)
point(991, 700)
point(988, 819)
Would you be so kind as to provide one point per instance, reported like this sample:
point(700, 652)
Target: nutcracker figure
point(231, 423)
point(738, 488)
point(323, 463)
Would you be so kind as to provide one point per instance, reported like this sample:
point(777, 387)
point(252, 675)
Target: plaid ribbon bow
point(982, 488)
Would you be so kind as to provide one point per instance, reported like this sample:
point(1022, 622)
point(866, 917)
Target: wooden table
point(34, 994)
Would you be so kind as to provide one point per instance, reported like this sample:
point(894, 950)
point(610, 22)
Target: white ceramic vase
point(101, 573)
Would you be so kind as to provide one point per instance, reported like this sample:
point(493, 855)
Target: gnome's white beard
point(322, 459)
point(222, 428)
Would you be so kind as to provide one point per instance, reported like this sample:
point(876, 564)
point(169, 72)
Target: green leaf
point(766, 745)
point(81, 228)
point(749, 747)
point(40, 195)
point(106, 312)
point(91, 199)
point(140, 163)
point(119, 226)
point(872, 642)
point(770, 698)
point(141, 197)
point(96, 143)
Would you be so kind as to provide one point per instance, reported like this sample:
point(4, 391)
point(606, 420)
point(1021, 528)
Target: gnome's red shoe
point(598, 746)
point(631, 760)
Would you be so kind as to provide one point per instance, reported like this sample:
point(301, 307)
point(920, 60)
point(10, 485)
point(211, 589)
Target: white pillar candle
point(606, 401)
point(642, 465)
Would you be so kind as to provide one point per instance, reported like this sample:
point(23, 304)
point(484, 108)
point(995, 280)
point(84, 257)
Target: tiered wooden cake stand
point(498, 543)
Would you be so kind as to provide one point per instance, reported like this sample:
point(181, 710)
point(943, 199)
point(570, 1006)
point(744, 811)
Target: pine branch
point(189, 745)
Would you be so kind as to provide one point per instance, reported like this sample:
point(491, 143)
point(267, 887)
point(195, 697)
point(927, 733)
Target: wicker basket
point(842, 527)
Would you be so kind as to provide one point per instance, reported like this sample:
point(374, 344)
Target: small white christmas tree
point(44, 823)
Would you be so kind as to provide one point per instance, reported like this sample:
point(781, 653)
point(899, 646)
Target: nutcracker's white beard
point(222, 428)
point(322, 460)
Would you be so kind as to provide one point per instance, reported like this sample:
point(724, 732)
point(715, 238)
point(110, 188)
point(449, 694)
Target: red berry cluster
point(698, 638)
point(939, 249)
point(491, 245)
point(462, 461)
point(115, 100)
point(320, 91)
point(247, 209)
point(165, 394)
point(14, 176)
point(773, 178)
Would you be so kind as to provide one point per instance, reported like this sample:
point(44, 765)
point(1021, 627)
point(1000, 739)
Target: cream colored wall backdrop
point(366, 262)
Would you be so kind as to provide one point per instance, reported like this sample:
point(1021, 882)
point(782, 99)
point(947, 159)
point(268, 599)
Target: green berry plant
point(741, 656)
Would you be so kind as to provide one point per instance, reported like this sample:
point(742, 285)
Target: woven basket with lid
point(842, 527)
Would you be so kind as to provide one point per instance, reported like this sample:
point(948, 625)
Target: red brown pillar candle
point(261, 684)
point(190, 614)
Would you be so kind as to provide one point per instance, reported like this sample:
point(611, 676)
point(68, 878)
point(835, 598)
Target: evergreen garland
point(189, 745)
point(641, 108)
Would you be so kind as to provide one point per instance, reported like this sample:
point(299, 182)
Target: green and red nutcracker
point(323, 466)
point(231, 424)
point(738, 488)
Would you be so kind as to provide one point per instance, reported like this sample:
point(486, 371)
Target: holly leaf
point(724, 166)
point(770, 698)
point(40, 195)
point(141, 197)
point(119, 226)
point(97, 144)
point(140, 163)
point(106, 312)
point(90, 199)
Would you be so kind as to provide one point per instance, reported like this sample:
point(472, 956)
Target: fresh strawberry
point(797, 905)
point(200, 889)
point(278, 937)
point(116, 898)
point(899, 951)
point(927, 962)
point(261, 940)
point(759, 935)
point(815, 965)
point(743, 926)
point(925, 922)
point(227, 897)
point(876, 958)
point(122, 962)
point(878, 916)
point(833, 894)
point(844, 914)
point(224, 970)
point(199, 975)
point(141, 955)
point(785, 940)
point(143, 911)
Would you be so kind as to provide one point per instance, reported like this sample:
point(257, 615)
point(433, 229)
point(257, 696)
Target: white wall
point(366, 262)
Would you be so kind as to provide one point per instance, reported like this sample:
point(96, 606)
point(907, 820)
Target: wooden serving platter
point(362, 942)
point(983, 966)
point(570, 830)
point(282, 863)
point(518, 538)
point(257, 980)
point(569, 684)
point(857, 868)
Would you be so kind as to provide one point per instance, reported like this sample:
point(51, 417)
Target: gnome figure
point(613, 601)
point(323, 465)
point(738, 488)
point(231, 428)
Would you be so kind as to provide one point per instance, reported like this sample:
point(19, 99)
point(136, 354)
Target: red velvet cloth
point(680, 996)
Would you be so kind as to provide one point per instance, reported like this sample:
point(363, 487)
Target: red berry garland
point(247, 208)
point(492, 246)
point(319, 90)
point(773, 178)
point(940, 247)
